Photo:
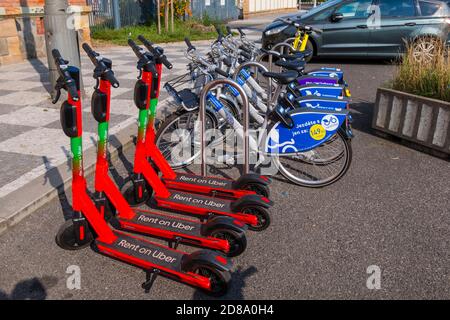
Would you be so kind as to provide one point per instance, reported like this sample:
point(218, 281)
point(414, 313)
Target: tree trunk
point(166, 16)
point(171, 15)
point(158, 9)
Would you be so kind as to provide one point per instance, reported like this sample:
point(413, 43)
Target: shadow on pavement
point(239, 279)
point(53, 176)
point(127, 164)
point(31, 289)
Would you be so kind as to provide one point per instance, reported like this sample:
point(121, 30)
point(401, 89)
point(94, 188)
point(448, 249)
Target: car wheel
point(425, 49)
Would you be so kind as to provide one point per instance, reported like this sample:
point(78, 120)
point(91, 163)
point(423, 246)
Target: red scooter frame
point(78, 233)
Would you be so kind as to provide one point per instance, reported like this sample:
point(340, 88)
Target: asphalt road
point(390, 210)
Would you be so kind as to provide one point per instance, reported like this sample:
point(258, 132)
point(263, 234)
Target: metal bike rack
point(208, 87)
point(259, 66)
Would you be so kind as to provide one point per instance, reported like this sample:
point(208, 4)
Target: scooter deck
point(206, 182)
point(142, 252)
point(162, 222)
point(199, 201)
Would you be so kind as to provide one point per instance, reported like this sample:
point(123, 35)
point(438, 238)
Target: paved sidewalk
point(31, 140)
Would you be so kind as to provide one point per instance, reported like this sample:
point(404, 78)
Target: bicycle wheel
point(319, 167)
point(185, 122)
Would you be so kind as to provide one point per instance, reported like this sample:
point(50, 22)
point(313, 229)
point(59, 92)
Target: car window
point(397, 8)
point(428, 8)
point(323, 15)
point(355, 9)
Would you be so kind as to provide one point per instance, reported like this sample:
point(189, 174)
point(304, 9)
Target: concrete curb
point(16, 207)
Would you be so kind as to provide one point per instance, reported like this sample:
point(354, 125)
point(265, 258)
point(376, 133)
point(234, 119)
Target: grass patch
point(424, 76)
point(192, 29)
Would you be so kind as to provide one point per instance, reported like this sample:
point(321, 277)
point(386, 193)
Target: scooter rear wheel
point(220, 280)
point(66, 239)
point(237, 240)
point(261, 213)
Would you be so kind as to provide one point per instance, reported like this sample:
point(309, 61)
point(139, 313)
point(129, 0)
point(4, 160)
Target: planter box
point(423, 121)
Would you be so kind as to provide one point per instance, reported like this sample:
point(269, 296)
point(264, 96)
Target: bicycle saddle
point(283, 77)
point(296, 55)
point(296, 65)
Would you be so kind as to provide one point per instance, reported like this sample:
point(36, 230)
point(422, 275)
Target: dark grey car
point(368, 27)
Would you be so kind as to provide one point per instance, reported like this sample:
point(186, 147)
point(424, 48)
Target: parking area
point(390, 210)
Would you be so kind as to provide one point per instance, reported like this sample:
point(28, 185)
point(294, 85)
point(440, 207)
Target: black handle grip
point(91, 53)
point(244, 48)
point(246, 55)
point(222, 73)
point(189, 44)
point(241, 32)
point(135, 47)
point(230, 33)
point(73, 92)
point(109, 75)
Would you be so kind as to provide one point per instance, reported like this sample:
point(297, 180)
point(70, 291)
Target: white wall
point(267, 5)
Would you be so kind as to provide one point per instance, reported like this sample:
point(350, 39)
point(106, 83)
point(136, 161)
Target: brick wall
point(22, 34)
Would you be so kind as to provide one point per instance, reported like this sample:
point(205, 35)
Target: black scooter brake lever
point(58, 95)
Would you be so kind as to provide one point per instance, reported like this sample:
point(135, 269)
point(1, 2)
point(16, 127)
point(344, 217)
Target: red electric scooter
point(219, 233)
point(213, 186)
point(204, 269)
point(250, 209)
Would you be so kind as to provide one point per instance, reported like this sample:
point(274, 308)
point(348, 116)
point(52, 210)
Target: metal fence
point(101, 14)
point(119, 13)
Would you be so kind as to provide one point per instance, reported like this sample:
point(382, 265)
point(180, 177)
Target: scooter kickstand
point(175, 243)
point(150, 277)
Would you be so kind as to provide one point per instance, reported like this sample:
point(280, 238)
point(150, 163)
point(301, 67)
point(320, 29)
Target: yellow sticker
point(317, 132)
point(347, 92)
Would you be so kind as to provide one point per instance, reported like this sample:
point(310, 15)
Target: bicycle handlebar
point(221, 72)
point(189, 44)
point(300, 26)
point(241, 32)
point(157, 54)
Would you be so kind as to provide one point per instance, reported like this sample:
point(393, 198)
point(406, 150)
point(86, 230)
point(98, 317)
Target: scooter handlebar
point(137, 51)
point(155, 52)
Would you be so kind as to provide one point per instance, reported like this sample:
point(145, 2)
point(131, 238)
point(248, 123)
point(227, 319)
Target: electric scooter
point(219, 233)
point(205, 269)
point(250, 209)
point(212, 186)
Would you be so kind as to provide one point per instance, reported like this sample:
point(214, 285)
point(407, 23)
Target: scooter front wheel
point(260, 189)
point(131, 194)
point(262, 214)
point(236, 240)
point(66, 238)
point(219, 280)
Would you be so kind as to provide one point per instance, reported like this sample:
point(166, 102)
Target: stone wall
point(22, 34)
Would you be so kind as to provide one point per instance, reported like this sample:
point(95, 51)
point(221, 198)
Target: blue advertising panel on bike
point(311, 129)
